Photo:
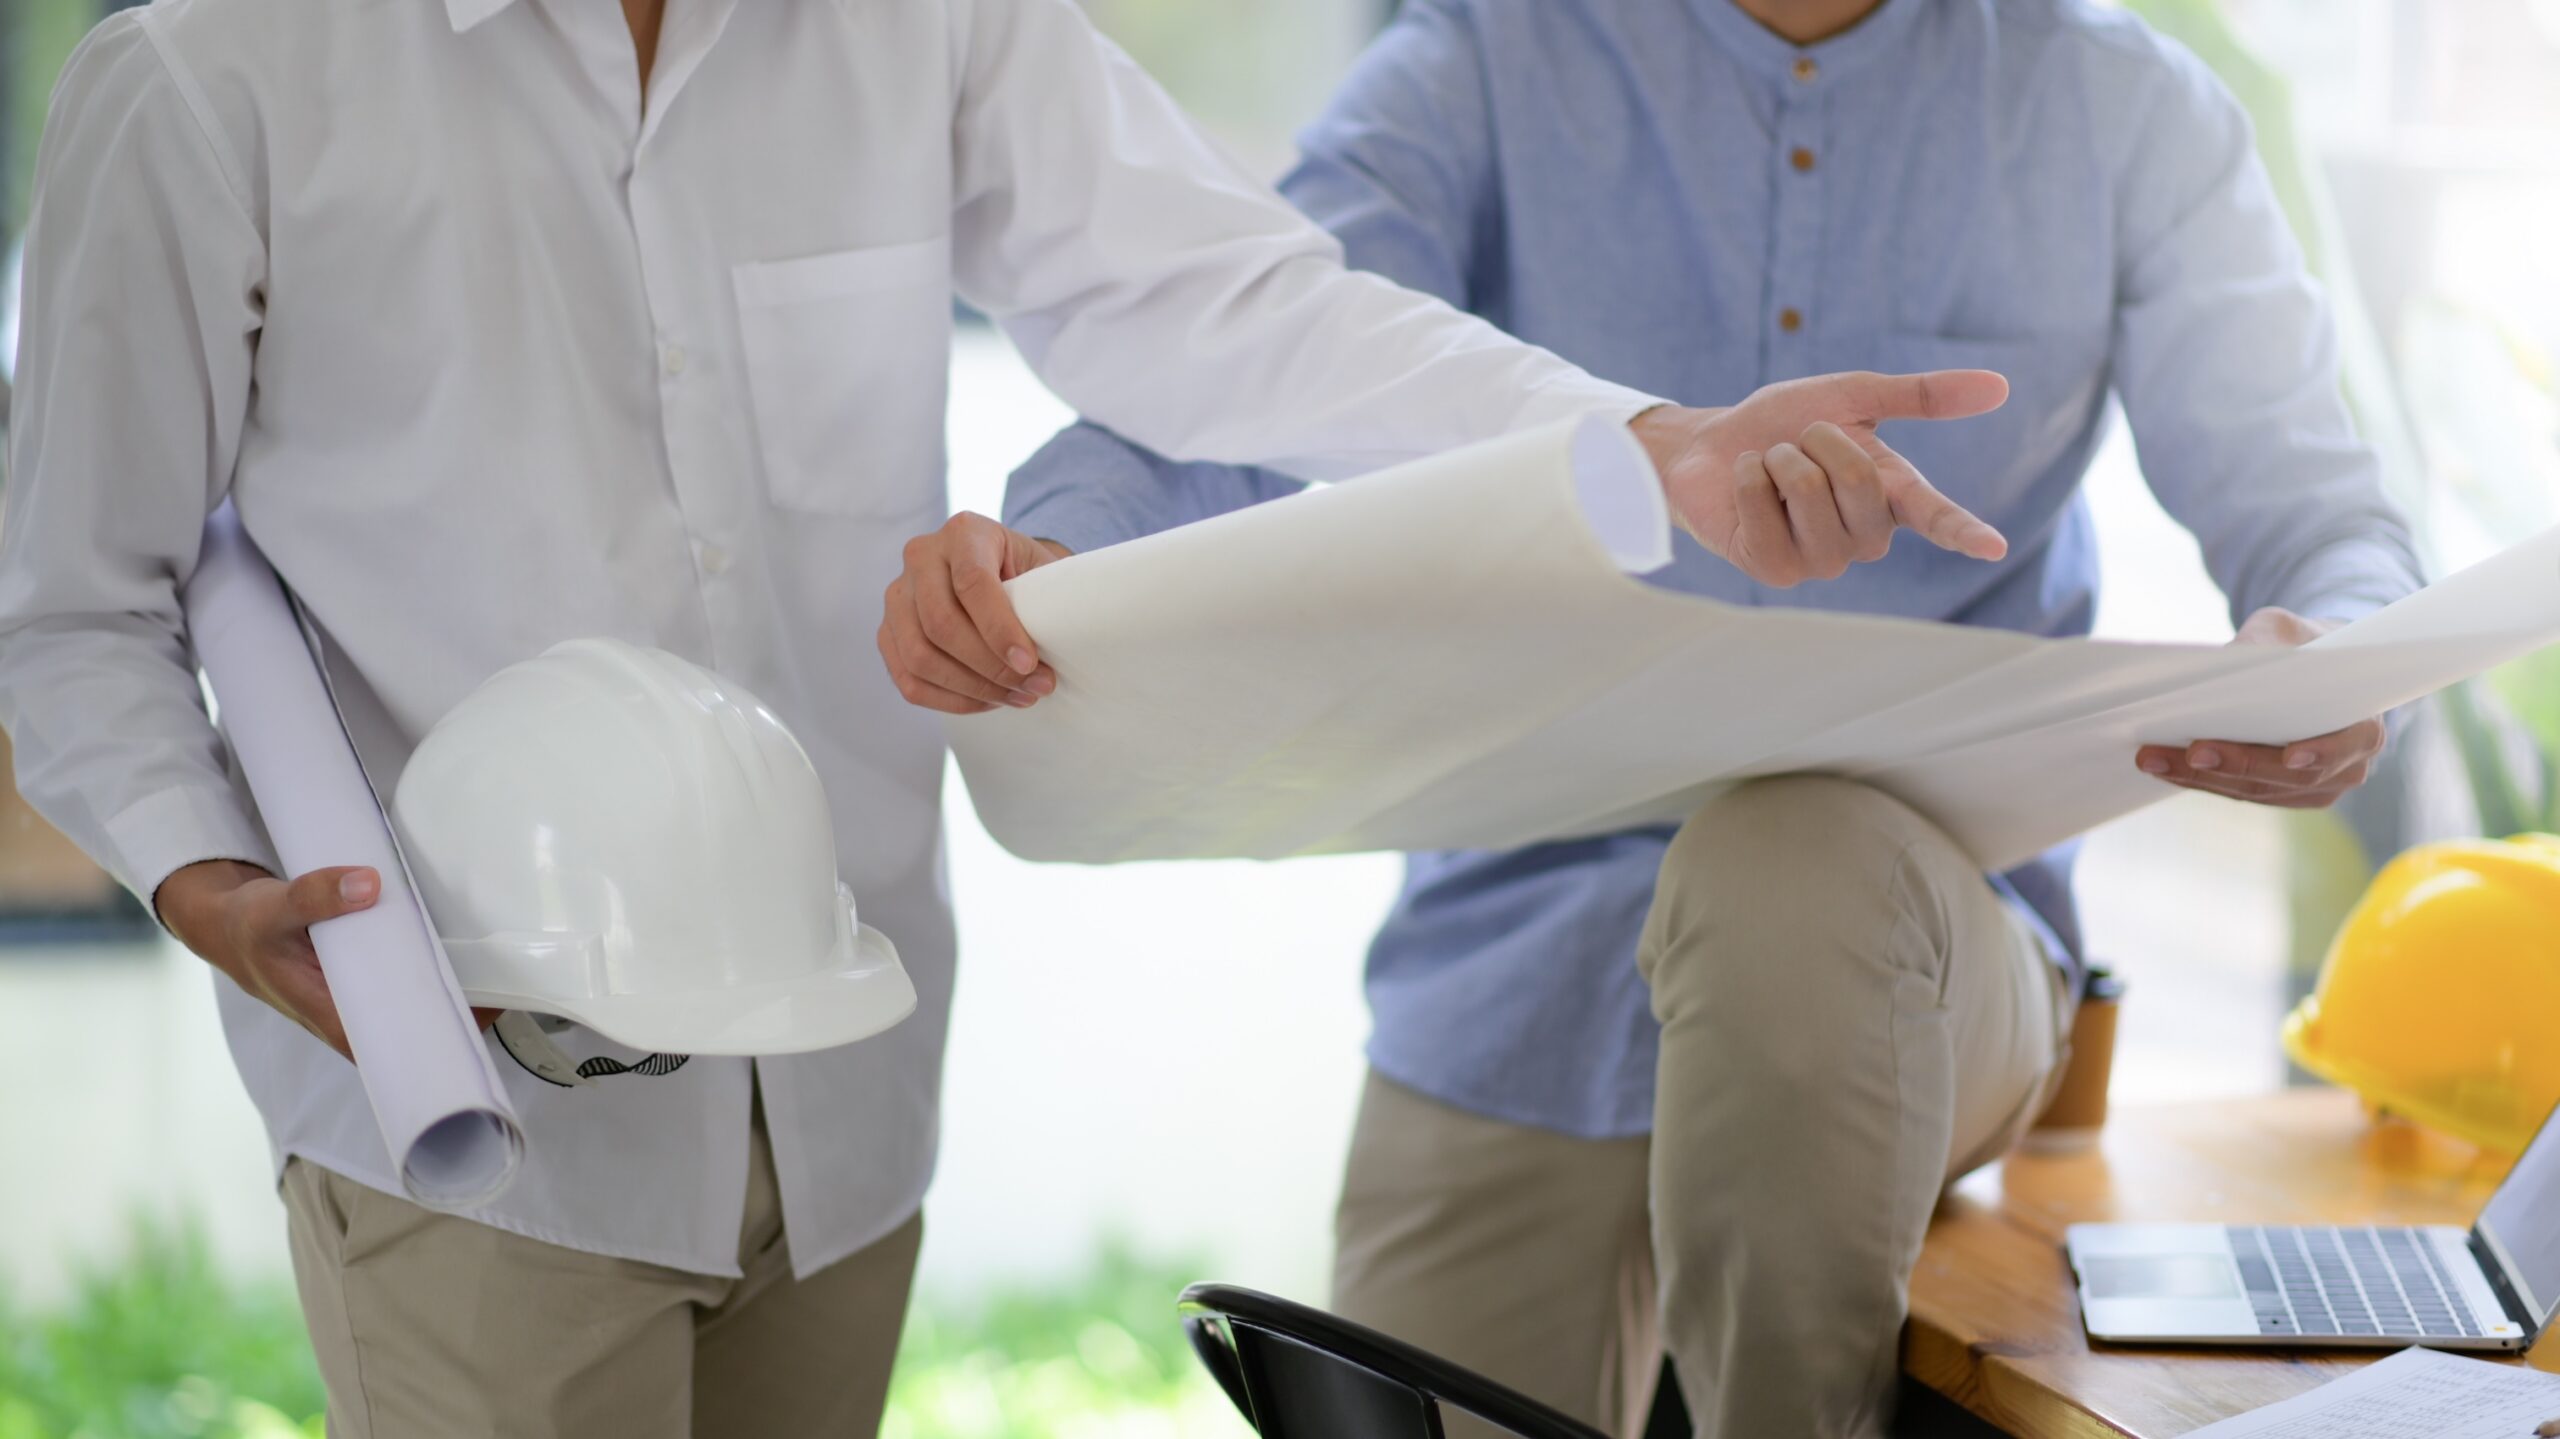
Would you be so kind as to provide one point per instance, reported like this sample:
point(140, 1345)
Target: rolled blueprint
point(1329, 673)
point(444, 1117)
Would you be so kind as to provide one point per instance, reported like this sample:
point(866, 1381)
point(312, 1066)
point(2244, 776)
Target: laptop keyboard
point(2322, 1280)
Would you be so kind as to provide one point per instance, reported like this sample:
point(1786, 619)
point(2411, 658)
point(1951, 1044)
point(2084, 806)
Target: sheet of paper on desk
point(1452, 654)
point(2414, 1394)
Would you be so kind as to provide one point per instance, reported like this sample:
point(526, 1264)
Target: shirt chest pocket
point(2056, 383)
point(848, 369)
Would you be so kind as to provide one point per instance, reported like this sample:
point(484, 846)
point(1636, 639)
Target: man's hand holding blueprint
point(1329, 673)
point(1790, 485)
point(2306, 774)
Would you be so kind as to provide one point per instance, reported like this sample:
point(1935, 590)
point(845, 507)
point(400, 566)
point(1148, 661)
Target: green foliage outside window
point(36, 36)
point(2508, 730)
point(159, 1346)
point(162, 1345)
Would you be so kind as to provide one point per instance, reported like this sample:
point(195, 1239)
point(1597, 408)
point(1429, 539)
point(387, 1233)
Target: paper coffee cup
point(2079, 1107)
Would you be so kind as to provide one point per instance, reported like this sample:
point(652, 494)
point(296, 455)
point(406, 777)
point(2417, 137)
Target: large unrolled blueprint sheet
point(446, 1121)
point(1452, 654)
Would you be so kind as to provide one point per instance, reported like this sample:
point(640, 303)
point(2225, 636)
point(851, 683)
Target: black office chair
point(1300, 1373)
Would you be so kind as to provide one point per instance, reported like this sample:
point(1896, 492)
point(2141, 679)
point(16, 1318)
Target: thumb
point(987, 555)
point(1931, 395)
point(1023, 552)
point(325, 894)
point(2273, 626)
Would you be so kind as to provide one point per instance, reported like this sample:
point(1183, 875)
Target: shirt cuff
point(2347, 582)
point(1583, 396)
point(162, 833)
point(1081, 526)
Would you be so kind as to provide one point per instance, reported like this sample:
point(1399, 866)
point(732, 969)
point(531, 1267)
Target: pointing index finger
point(1929, 395)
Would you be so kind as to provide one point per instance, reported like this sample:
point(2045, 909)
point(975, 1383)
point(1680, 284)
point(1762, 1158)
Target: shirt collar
point(1767, 54)
point(466, 13)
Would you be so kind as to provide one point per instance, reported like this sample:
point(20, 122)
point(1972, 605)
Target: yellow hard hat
point(2440, 998)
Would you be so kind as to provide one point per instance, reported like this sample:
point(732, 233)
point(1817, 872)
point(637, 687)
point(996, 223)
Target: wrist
point(1653, 430)
point(188, 899)
point(1669, 432)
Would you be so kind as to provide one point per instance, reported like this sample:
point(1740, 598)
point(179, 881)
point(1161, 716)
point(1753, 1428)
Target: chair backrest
point(1300, 1373)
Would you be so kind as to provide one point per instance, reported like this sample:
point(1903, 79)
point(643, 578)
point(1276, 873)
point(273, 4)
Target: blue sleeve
point(2226, 361)
point(1088, 488)
point(1399, 168)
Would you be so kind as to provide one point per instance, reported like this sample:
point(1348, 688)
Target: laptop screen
point(2522, 1221)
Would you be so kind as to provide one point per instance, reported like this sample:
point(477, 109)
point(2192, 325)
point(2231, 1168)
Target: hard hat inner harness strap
point(521, 1035)
point(599, 1066)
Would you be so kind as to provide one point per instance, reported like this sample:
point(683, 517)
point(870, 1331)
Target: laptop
point(2491, 1287)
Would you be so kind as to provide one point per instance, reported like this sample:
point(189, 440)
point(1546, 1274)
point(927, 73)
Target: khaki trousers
point(1851, 1019)
point(432, 1327)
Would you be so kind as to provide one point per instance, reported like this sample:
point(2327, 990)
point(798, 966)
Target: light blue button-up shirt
point(1674, 197)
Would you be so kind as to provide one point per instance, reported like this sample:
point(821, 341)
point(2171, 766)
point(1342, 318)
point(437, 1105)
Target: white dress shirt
point(491, 353)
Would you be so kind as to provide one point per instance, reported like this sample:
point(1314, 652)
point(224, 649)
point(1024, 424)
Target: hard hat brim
point(2387, 1092)
point(866, 993)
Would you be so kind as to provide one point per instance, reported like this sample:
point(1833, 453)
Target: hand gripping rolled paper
point(444, 1118)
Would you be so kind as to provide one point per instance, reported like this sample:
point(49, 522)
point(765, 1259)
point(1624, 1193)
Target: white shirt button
point(715, 560)
point(671, 360)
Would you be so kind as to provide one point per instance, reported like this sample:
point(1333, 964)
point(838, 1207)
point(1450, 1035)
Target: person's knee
point(1799, 870)
point(1774, 837)
point(1792, 814)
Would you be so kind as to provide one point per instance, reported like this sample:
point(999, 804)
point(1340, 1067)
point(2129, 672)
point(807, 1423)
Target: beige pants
point(432, 1327)
point(1851, 1019)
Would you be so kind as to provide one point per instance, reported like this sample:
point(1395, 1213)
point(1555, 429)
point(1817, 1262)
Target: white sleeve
point(1166, 294)
point(142, 283)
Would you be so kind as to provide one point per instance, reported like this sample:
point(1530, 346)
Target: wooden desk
point(1995, 1321)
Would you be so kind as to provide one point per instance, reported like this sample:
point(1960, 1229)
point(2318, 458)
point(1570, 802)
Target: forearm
point(112, 747)
point(1345, 373)
point(2348, 578)
point(2288, 509)
point(2226, 361)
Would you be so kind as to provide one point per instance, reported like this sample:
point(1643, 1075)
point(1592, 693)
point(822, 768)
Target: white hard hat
point(612, 835)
